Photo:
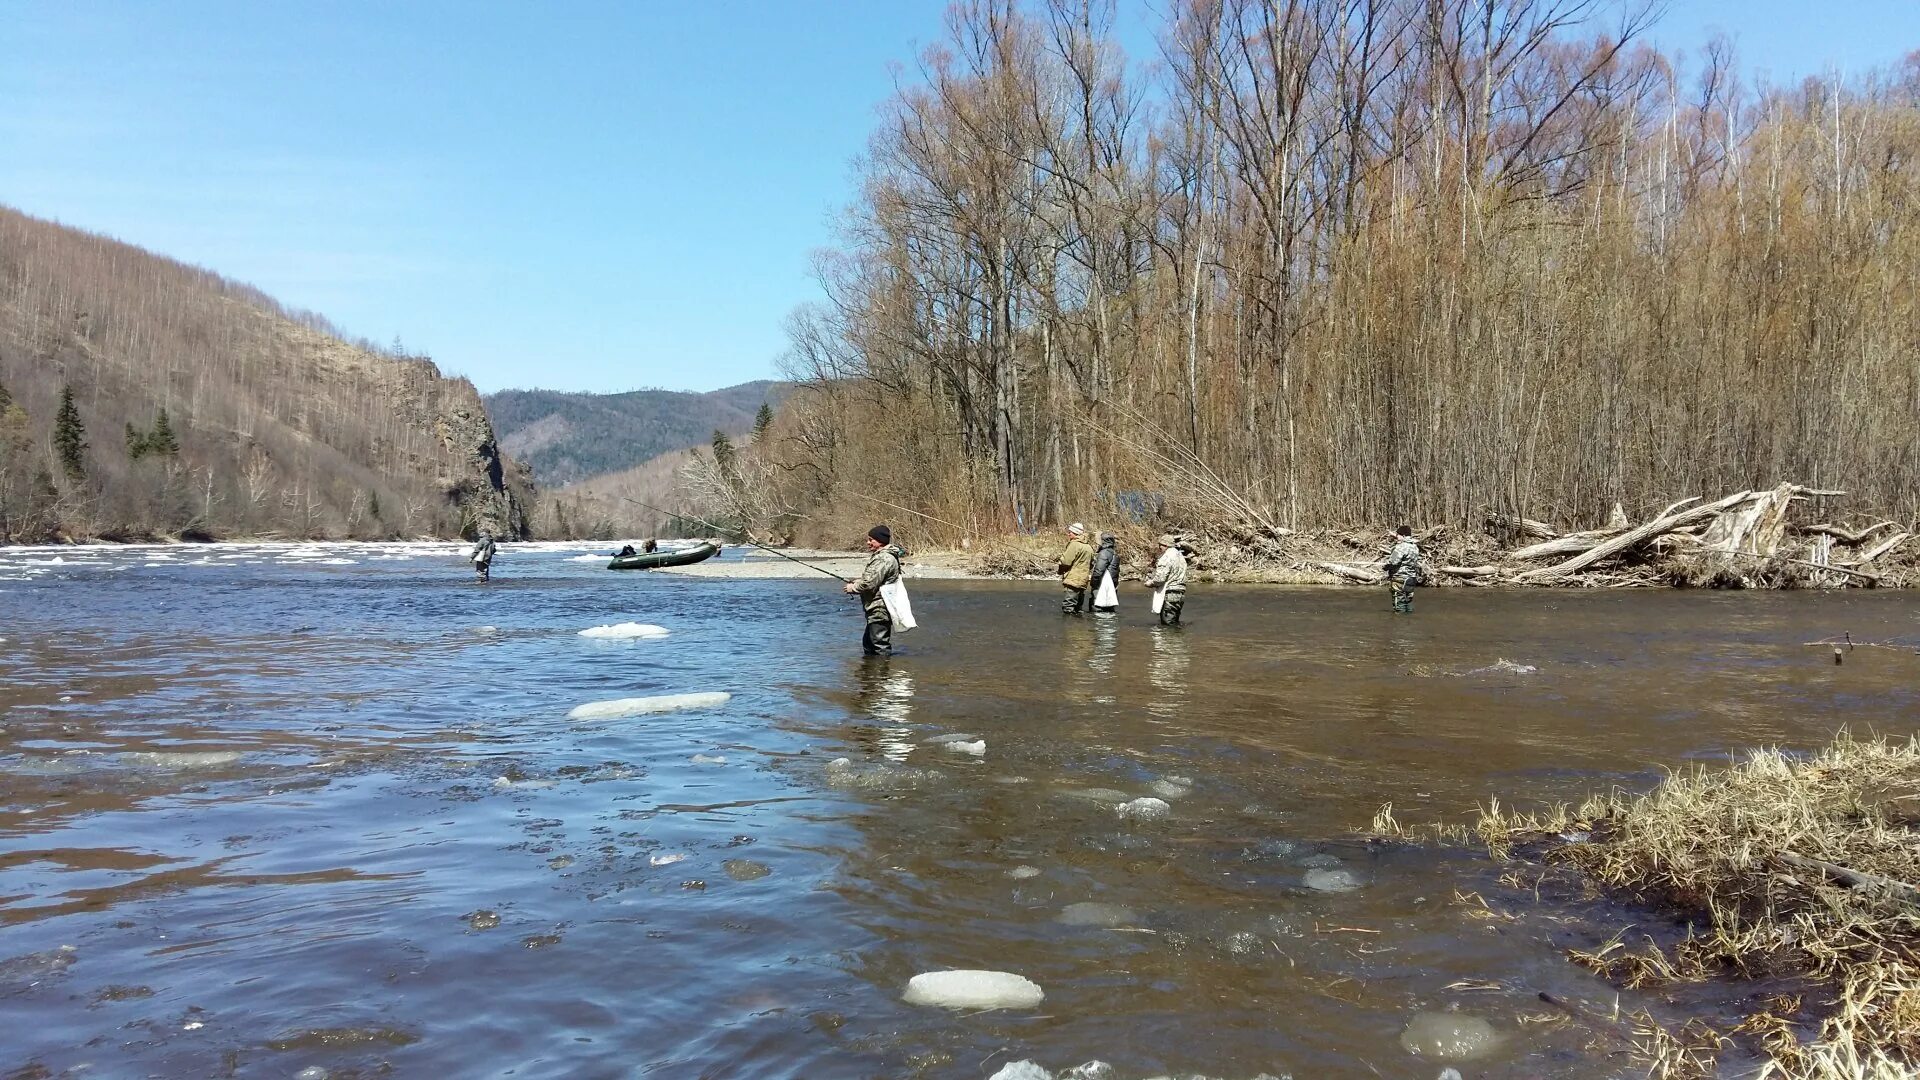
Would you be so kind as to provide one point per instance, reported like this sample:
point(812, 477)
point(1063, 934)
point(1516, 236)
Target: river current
point(276, 810)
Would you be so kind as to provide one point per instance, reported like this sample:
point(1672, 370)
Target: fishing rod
point(749, 543)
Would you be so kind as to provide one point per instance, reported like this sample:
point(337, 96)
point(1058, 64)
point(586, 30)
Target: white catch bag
point(1106, 596)
point(894, 595)
point(1159, 599)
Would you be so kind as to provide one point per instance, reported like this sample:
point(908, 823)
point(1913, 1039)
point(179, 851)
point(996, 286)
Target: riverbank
point(1794, 872)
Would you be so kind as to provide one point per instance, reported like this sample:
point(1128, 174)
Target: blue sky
point(568, 195)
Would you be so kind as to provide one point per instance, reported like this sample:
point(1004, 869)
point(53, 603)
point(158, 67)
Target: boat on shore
point(654, 560)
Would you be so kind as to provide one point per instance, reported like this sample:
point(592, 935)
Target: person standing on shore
point(1076, 569)
point(1170, 580)
point(883, 568)
point(483, 557)
point(1403, 569)
point(1106, 572)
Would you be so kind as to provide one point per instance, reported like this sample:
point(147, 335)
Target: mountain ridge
point(570, 436)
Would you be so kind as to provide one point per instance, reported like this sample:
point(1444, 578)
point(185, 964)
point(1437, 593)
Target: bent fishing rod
point(717, 529)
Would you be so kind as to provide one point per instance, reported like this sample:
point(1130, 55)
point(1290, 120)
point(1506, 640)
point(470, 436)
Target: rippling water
point(265, 809)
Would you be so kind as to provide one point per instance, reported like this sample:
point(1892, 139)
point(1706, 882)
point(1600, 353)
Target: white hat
point(1076, 528)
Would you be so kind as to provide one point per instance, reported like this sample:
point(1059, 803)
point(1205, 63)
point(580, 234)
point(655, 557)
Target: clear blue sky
point(568, 195)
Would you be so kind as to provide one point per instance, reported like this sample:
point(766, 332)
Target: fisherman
point(625, 550)
point(483, 557)
point(1403, 570)
point(650, 546)
point(1106, 563)
point(1170, 578)
point(883, 568)
point(1076, 569)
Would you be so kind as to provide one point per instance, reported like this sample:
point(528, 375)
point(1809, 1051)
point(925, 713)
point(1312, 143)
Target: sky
point(573, 196)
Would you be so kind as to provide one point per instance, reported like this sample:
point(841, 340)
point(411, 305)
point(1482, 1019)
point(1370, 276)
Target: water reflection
point(1167, 671)
point(885, 698)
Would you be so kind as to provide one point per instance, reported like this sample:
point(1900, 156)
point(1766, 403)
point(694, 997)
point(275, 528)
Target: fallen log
point(1672, 519)
point(1366, 575)
point(1875, 578)
point(1883, 547)
point(1470, 571)
point(1859, 880)
point(1564, 545)
point(1520, 526)
point(1843, 535)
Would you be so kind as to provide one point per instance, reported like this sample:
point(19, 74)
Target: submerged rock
point(951, 737)
point(1093, 913)
point(973, 990)
point(1448, 1036)
point(1331, 881)
point(843, 773)
point(1321, 861)
point(745, 869)
point(1096, 794)
point(1021, 873)
point(639, 706)
point(482, 919)
point(25, 971)
point(1022, 1070)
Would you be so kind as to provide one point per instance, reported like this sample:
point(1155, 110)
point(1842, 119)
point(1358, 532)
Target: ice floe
point(1144, 809)
point(973, 990)
point(155, 759)
point(625, 630)
point(978, 747)
point(640, 706)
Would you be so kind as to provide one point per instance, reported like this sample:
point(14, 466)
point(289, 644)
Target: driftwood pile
point(1745, 540)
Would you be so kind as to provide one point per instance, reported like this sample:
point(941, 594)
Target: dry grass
point(1801, 867)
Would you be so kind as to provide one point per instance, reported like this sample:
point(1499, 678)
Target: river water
point(271, 809)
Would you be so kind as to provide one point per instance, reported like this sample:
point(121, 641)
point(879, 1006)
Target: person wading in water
point(1076, 569)
point(1106, 564)
point(1170, 578)
point(883, 568)
point(1403, 570)
point(483, 557)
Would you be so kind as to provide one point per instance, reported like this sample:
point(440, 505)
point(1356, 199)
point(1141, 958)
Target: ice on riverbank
point(640, 706)
point(625, 631)
point(973, 990)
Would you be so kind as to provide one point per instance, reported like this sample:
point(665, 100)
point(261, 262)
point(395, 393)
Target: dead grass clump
point(1016, 556)
point(1786, 865)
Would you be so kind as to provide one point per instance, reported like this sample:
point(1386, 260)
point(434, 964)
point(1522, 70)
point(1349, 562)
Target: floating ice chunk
point(521, 785)
point(666, 860)
point(1096, 914)
point(183, 760)
point(951, 737)
point(973, 990)
point(638, 706)
point(1144, 809)
point(588, 558)
point(708, 759)
point(625, 631)
point(1092, 1070)
point(1331, 880)
point(1503, 667)
point(1022, 873)
point(1450, 1073)
point(1171, 788)
point(1022, 1070)
point(1448, 1036)
point(978, 747)
point(336, 562)
point(1096, 794)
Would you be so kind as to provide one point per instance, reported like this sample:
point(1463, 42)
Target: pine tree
point(723, 453)
point(373, 501)
point(70, 437)
point(161, 440)
point(136, 442)
point(762, 421)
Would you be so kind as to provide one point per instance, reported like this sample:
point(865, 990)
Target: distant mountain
point(143, 397)
point(568, 437)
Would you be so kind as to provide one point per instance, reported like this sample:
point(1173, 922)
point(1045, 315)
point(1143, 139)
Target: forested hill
point(144, 397)
point(568, 437)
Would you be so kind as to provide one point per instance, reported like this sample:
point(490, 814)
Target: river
point(266, 809)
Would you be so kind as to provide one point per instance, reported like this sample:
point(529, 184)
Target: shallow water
point(416, 861)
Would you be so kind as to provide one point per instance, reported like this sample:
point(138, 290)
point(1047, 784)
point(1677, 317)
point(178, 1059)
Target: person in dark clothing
point(1106, 562)
point(483, 557)
point(651, 545)
point(883, 568)
point(625, 550)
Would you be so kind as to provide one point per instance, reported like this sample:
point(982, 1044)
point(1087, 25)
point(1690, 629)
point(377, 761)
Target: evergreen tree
point(723, 453)
point(6, 397)
point(373, 501)
point(161, 440)
point(70, 437)
point(136, 442)
point(762, 421)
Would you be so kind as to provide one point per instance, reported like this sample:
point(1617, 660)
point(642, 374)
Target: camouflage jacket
point(1404, 562)
point(883, 568)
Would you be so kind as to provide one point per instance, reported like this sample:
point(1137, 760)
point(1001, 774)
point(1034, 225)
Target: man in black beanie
point(883, 568)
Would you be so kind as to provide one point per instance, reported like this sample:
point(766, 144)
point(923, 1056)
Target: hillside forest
point(143, 398)
point(1330, 264)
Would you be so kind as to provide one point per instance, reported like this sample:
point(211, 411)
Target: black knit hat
point(881, 533)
